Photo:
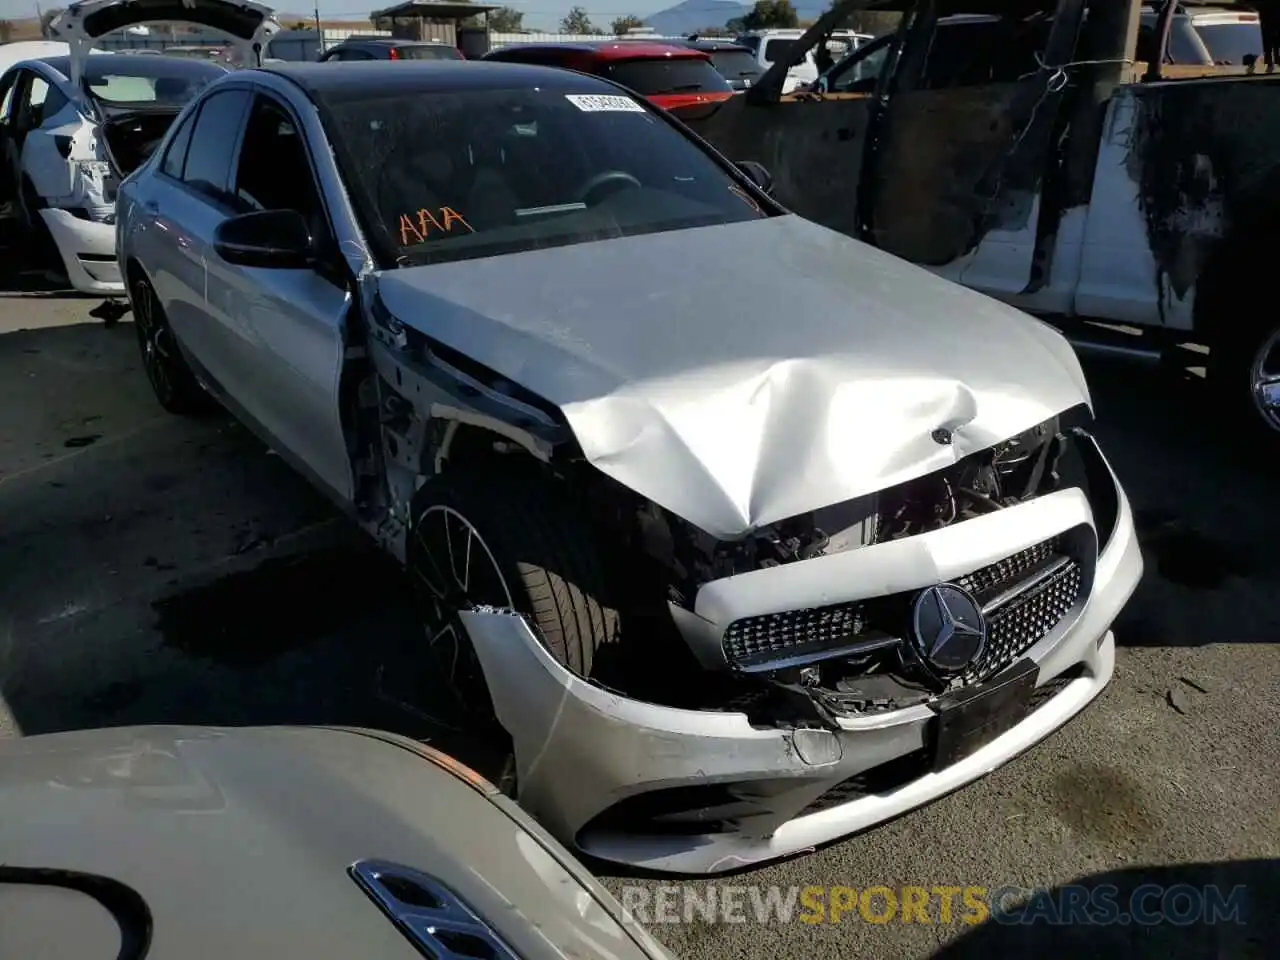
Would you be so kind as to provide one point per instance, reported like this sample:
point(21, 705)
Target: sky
point(538, 14)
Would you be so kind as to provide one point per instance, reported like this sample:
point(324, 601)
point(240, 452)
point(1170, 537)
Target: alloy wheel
point(154, 340)
point(1264, 380)
point(455, 571)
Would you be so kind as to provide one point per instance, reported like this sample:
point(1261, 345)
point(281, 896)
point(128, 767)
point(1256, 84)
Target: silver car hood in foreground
point(742, 374)
point(239, 843)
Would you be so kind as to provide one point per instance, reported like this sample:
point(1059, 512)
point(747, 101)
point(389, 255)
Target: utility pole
point(319, 30)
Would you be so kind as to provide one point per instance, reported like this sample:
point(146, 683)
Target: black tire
point(543, 550)
point(172, 381)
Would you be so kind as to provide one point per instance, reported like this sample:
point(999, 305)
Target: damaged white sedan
point(72, 126)
point(748, 535)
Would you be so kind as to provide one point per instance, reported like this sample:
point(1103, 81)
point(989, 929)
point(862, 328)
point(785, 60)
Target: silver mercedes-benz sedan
point(741, 535)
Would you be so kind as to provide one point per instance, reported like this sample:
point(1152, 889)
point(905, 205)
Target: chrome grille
point(989, 581)
point(1029, 616)
point(819, 628)
point(1024, 596)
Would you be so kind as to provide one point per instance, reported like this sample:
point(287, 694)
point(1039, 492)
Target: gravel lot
point(158, 570)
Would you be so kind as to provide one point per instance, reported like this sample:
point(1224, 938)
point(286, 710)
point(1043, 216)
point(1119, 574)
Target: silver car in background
point(741, 535)
point(282, 842)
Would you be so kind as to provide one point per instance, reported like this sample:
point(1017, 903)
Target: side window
point(1184, 44)
point(274, 172)
point(176, 155)
point(213, 142)
point(6, 98)
point(54, 101)
point(860, 72)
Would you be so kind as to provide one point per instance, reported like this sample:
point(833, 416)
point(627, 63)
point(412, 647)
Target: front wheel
point(507, 537)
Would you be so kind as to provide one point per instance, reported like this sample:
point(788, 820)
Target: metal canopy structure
point(433, 10)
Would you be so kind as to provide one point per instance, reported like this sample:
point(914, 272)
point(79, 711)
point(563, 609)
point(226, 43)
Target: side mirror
point(757, 174)
point(273, 239)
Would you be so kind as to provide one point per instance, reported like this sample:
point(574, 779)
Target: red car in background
point(676, 78)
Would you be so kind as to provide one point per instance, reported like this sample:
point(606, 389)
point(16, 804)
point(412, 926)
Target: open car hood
point(250, 26)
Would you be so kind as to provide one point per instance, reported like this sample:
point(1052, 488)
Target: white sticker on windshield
point(603, 103)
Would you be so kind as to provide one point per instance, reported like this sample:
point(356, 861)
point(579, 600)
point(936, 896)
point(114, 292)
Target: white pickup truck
point(771, 45)
point(1085, 160)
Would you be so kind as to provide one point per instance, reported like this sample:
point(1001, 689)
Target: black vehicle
point(377, 48)
point(733, 61)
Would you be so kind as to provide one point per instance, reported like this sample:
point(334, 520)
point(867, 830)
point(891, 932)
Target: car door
point(288, 344)
point(8, 157)
point(184, 202)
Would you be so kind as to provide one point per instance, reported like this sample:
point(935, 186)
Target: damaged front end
point(803, 665)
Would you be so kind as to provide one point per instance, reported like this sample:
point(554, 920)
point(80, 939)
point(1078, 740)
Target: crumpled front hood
point(742, 374)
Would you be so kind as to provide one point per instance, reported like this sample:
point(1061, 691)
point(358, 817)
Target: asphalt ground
point(158, 570)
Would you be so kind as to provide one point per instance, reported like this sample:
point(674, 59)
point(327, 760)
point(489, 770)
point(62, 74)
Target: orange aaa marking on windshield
point(418, 227)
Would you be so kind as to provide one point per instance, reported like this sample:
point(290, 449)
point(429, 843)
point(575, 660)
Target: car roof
point(359, 78)
point(392, 42)
point(615, 49)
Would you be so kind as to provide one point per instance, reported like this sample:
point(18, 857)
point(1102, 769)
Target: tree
point(577, 21)
point(299, 25)
point(6, 31)
point(771, 13)
point(717, 31)
point(621, 25)
point(506, 20)
point(873, 22)
point(47, 18)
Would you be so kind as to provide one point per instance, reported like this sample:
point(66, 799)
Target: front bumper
point(581, 750)
point(88, 251)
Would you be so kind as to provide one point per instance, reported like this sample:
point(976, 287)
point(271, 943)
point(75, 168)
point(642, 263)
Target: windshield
point(428, 51)
point(658, 77)
point(458, 175)
point(1231, 42)
point(736, 64)
point(777, 49)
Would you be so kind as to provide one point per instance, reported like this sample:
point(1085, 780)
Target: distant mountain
point(693, 15)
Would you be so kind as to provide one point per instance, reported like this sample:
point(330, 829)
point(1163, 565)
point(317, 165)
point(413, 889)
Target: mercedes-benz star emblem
point(948, 627)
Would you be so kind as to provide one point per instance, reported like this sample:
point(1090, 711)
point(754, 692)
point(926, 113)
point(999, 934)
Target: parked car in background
point(971, 49)
point(73, 126)
point(770, 45)
point(282, 843)
point(733, 61)
point(378, 48)
point(693, 472)
point(675, 77)
point(66, 148)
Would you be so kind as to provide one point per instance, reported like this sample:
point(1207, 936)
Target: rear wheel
point(506, 537)
point(172, 381)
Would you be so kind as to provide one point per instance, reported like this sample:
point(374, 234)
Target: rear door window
point(213, 144)
point(736, 65)
point(428, 52)
point(176, 155)
point(777, 49)
point(1231, 43)
point(657, 77)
